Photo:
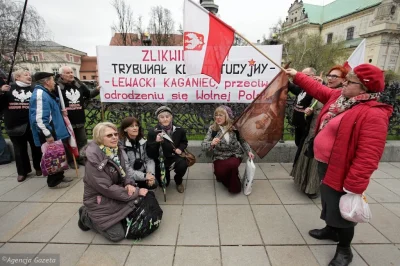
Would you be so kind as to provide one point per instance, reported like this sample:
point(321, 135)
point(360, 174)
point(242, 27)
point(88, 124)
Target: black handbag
point(145, 219)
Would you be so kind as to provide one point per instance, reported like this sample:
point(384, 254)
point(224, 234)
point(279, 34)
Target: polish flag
point(357, 57)
point(207, 41)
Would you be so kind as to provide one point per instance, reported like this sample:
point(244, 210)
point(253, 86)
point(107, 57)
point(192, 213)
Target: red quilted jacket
point(360, 138)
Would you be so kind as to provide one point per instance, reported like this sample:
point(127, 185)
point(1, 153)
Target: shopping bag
point(145, 219)
point(53, 158)
point(248, 177)
point(354, 208)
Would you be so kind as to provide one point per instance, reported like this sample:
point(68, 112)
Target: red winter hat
point(371, 76)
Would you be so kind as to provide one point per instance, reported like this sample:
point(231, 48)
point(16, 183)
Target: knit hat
point(371, 76)
point(228, 110)
point(163, 109)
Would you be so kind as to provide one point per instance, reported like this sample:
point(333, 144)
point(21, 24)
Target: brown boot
point(21, 178)
point(180, 188)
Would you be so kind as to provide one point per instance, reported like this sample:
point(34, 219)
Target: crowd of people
point(340, 134)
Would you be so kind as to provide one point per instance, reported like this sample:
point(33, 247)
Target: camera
point(138, 164)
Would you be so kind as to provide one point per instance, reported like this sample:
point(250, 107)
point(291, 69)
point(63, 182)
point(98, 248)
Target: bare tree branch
point(161, 26)
point(126, 23)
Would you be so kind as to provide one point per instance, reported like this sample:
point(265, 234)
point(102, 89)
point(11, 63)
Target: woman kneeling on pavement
point(171, 151)
point(227, 150)
point(109, 196)
point(139, 166)
point(350, 139)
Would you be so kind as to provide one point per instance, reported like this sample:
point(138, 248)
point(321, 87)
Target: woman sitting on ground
point(108, 195)
point(139, 166)
point(171, 151)
point(227, 150)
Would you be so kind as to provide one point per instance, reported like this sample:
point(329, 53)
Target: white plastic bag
point(354, 208)
point(248, 177)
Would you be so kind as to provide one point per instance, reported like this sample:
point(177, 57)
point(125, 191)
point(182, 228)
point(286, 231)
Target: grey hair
point(19, 73)
point(61, 70)
point(43, 81)
point(99, 129)
point(313, 70)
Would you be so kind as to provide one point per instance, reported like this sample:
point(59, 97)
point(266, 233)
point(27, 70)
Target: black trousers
point(81, 141)
point(176, 163)
point(20, 144)
point(299, 134)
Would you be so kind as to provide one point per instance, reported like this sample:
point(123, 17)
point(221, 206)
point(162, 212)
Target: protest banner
point(157, 74)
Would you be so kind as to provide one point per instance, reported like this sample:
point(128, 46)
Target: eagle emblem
point(193, 41)
point(22, 96)
point(73, 95)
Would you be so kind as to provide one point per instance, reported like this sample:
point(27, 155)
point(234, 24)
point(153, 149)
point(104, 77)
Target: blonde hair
point(228, 120)
point(19, 72)
point(99, 129)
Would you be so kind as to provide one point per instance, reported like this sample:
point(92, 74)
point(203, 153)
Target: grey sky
point(83, 24)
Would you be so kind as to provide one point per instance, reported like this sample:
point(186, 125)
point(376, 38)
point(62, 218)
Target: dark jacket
point(302, 101)
point(45, 115)
point(105, 196)
point(178, 137)
point(15, 105)
point(74, 95)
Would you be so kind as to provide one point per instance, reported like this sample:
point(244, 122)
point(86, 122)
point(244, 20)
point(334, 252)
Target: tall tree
point(125, 26)
point(33, 29)
point(161, 26)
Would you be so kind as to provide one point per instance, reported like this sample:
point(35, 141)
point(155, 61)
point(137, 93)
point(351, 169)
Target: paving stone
point(47, 194)
point(225, 197)
point(244, 255)
point(104, 255)
point(391, 184)
point(258, 174)
point(99, 239)
point(390, 169)
point(47, 224)
point(288, 167)
point(150, 256)
point(16, 219)
point(386, 222)
point(173, 196)
point(380, 193)
point(396, 164)
point(393, 207)
point(200, 192)
point(263, 193)
point(7, 206)
point(274, 171)
point(369, 198)
point(9, 169)
point(74, 194)
point(199, 226)
point(237, 225)
point(276, 226)
point(291, 255)
point(25, 190)
point(71, 233)
point(29, 251)
point(69, 253)
point(201, 171)
point(383, 254)
point(324, 254)
point(197, 256)
point(366, 233)
point(378, 174)
point(288, 194)
point(306, 218)
point(8, 184)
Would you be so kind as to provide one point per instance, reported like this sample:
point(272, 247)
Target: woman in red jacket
point(350, 138)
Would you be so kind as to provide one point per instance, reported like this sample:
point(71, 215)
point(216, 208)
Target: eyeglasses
point(352, 82)
point(332, 76)
point(111, 135)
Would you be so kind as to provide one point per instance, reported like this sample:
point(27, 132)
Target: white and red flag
point(207, 41)
point(357, 57)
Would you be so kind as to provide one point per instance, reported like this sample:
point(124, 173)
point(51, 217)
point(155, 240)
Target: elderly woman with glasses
point(109, 196)
point(139, 166)
point(350, 138)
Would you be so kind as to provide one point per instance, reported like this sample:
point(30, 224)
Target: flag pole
point(261, 52)
point(16, 43)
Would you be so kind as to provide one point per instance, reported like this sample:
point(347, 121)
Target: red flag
point(207, 41)
point(262, 123)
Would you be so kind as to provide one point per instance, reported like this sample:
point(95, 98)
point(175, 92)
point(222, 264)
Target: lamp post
point(210, 6)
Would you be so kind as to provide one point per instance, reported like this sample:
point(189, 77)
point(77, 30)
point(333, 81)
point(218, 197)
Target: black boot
point(325, 233)
point(343, 257)
point(80, 223)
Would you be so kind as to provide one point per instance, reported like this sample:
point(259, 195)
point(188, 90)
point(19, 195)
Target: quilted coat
point(360, 139)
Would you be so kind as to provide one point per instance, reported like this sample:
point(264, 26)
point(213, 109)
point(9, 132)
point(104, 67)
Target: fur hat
point(162, 109)
point(371, 76)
